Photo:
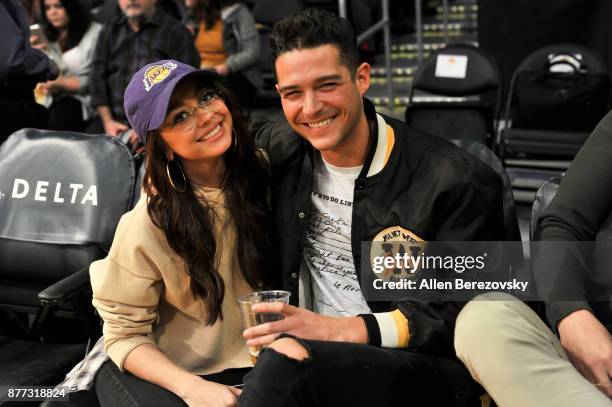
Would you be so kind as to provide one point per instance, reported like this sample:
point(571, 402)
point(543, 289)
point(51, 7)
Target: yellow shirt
point(141, 290)
point(209, 44)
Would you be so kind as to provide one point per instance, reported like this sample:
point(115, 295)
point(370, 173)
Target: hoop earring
point(170, 177)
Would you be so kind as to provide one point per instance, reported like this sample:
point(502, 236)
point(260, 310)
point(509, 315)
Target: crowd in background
point(96, 59)
point(97, 45)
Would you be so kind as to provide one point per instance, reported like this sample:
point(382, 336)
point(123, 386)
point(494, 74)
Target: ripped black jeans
point(346, 374)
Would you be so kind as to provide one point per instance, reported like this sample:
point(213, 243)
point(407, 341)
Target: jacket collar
point(382, 140)
point(370, 113)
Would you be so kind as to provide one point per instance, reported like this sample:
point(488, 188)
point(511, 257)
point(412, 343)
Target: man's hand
point(113, 128)
point(305, 324)
point(589, 347)
point(203, 393)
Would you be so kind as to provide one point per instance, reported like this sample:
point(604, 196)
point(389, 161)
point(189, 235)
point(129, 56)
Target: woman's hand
point(202, 393)
point(69, 84)
point(149, 363)
point(35, 42)
point(54, 86)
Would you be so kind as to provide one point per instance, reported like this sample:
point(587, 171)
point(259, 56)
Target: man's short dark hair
point(312, 28)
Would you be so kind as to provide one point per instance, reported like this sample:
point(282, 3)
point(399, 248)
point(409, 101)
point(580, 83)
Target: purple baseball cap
point(147, 96)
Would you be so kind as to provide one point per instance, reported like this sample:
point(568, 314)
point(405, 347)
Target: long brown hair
point(79, 21)
point(186, 221)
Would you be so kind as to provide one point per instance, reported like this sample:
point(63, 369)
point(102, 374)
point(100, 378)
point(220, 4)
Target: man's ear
point(277, 89)
point(362, 78)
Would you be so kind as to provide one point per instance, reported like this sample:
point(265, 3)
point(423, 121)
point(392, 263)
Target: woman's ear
point(169, 155)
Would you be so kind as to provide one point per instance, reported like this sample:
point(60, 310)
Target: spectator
point(107, 10)
point(344, 175)
point(140, 35)
point(72, 37)
point(228, 42)
point(514, 355)
point(21, 68)
point(196, 240)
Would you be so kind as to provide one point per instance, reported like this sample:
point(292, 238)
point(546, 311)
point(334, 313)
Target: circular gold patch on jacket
point(404, 246)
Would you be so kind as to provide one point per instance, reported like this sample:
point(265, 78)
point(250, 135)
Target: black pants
point(344, 374)
point(119, 389)
point(66, 114)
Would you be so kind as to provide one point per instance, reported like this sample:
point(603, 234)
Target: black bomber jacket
point(426, 187)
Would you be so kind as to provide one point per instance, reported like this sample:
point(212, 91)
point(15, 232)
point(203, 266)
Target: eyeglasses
point(184, 119)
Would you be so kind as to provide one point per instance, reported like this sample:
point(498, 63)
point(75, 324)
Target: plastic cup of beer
point(251, 319)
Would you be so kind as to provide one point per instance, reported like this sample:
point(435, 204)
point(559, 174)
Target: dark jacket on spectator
point(577, 276)
point(120, 52)
point(21, 66)
point(431, 188)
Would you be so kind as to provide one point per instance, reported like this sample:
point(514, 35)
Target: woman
point(195, 241)
point(228, 42)
point(72, 38)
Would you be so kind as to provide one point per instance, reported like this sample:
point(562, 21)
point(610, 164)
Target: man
point(343, 175)
point(21, 68)
point(142, 34)
point(508, 348)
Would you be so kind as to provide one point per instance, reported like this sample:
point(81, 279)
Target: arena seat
point(557, 95)
point(141, 167)
point(61, 197)
point(479, 150)
point(462, 101)
point(515, 252)
point(543, 198)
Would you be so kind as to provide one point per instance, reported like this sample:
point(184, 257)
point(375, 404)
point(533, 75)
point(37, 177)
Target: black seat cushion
point(451, 121)
point(512, 232)
point(27, 363)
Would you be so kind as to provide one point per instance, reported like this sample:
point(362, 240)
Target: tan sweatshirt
point(141, 290)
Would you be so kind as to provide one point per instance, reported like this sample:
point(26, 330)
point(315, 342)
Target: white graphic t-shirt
point(327, 242)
